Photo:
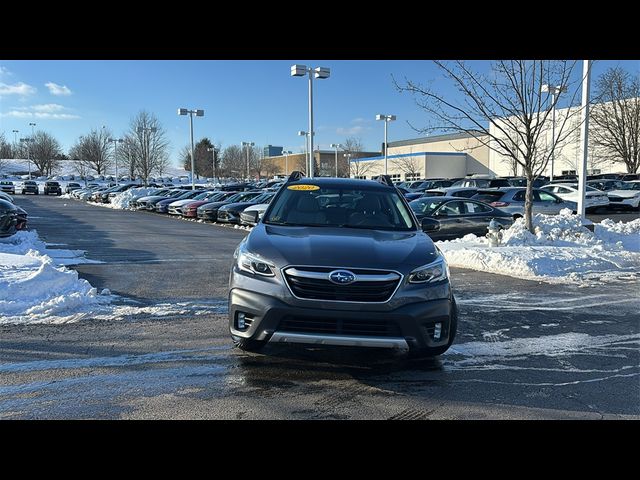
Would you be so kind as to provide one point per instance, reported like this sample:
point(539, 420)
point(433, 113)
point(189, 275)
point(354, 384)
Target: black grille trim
point(332, 326)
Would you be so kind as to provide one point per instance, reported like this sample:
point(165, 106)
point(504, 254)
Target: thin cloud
point(358, 129)
point(58, 90)
point(45, 111)
point(20, 89)
point(359, 120)
point(4, 72)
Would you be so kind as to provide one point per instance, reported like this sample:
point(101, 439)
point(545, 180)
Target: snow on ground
point(36, 287)
point(121, 200)
point(561, 250)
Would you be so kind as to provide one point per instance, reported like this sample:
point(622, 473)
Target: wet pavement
point(524, 349)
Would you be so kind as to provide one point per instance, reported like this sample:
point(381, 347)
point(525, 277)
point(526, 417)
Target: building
point(567, 154)
point(453, 155)
point(271, 151)
point(325, 163)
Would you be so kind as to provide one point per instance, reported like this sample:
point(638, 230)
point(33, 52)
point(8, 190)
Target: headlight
point(433, 272)
point(252, 264)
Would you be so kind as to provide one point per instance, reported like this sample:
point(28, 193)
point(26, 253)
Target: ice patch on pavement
point(561, 250)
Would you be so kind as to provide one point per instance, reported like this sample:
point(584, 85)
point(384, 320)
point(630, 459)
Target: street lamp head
point(199, 113)
point(183, 111)
point(322, 72)
point(386, 118)
point(16, 131)
point(335, 145)
point(299, 70)
point(301, 133)
point(391, 118)
point(32, 124)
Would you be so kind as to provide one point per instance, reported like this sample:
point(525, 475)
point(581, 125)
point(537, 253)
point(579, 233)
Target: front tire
point(435, 351)
point(248, 345)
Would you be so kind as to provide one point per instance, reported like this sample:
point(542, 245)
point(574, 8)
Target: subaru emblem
point(342, 277)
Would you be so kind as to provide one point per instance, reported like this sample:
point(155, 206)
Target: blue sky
point(244, 100)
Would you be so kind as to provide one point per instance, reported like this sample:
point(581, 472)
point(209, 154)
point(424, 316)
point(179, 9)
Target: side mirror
point(441, 214)
point(430, 225)
point(559, 200)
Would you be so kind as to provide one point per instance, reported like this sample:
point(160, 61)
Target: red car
point(191, 208)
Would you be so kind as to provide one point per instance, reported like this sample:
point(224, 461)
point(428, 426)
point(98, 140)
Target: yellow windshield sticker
point(303, 187)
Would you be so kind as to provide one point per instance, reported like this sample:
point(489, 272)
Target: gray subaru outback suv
point(341, 262)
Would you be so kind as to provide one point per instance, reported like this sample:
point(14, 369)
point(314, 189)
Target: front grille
point(331, 326)
point(320, 288)
point(613, 198)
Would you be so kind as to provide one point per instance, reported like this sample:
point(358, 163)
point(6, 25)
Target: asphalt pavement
point(525, 350)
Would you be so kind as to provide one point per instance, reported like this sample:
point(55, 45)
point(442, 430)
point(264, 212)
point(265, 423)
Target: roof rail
point(384, 179)
point(295, 176)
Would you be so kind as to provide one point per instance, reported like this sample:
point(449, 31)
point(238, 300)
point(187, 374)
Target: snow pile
point(25, 241)
point(561, 249)
point(121, 200)
point(33, 289)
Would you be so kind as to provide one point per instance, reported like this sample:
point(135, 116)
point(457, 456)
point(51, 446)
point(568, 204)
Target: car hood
point(195, 203)
point(624, 193)
point(213, 205)
point(341, 247)
point(179, 203)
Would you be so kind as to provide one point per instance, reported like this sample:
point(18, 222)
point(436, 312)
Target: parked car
point(457, 217)
point(149, 202)
point(71, 187)
point(162, 206)
point(190, 209)
point(463, 192)
point(7, 197)
point(231, 213)
point(52, 188)
point(412, 195)
point(522, 182)
point(12, 218)
point(605, 185)
point(432, 183)
point(482, 182)
point(7, 187)
point(209, 211)
point(627, 177)
point(594, 199)
point(359, 272)
point(512, 199)
point(627, 196)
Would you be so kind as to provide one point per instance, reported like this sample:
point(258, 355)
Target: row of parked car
point(459, 210)
point(223, 204)
point(12, 217)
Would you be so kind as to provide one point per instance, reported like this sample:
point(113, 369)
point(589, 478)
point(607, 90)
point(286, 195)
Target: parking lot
point(524, 349)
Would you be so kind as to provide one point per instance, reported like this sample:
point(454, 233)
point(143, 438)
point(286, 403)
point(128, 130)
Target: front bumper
point(208, 215)
point(271, 319)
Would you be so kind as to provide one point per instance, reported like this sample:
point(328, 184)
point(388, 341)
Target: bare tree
point(127, 155)
point(232, 162)
point(149, 143)
point(409, 165)
point(45, 152)
point(93, 149)
point(503, 109)
point(269, 167)
point(617, 117)
point(352, 151)
point(5, 150)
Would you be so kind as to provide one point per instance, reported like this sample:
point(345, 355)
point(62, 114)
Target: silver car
point(511, 200)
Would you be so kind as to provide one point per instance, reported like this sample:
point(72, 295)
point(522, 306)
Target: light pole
point(199, 113)
point(15, 141)
point(553, 91)
point(28, 140)
point(318, 72)
point(336, 146)
point(32, 125)
point(348, 157)
point(584, 136)
point(387, 119)
point(115, 142)
point(248, 144)
point(286, 154)
point(214, 168)
point(306, 149)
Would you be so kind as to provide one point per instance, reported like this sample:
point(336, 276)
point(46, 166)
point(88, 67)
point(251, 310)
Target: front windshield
point(353, 207)
point(630, 186)
point(424, 207)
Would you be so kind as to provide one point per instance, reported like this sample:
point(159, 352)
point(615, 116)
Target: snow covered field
point(561, 250)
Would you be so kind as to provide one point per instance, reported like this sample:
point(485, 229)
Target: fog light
point(240, 321)
point(436, 331)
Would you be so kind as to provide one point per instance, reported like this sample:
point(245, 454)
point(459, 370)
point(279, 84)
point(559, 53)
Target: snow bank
point(560, 249)
point(121, 200)
point(24, 241)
